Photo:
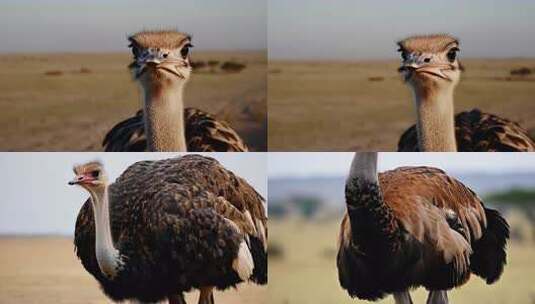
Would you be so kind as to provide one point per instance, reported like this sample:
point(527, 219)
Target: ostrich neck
point(364, 167)
point(108, 257)
point(164, 117)
point(435, 120)
point(372, 221)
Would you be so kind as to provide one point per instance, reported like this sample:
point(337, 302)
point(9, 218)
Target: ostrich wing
point(190, 202)
point(479, 132)
point(448, 234)
point(204, 133)
point(407, 189)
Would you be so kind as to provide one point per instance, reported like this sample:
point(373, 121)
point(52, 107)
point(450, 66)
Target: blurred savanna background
point(333, 80)
point(306, 205)
point(64, 80)
point(38, 213)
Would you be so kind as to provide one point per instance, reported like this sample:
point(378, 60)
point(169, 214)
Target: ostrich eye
point(95, 173)
point(135, 51)
point(452, 54)
point(185, 51)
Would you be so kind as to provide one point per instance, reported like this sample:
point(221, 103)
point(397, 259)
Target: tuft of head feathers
point(166, 39)
point(427, 43)
point(87, 167)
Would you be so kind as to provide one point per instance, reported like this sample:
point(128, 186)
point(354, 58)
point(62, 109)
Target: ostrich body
point(166, 227)
point(415, 226)
point(431, 69)
point(162, 68)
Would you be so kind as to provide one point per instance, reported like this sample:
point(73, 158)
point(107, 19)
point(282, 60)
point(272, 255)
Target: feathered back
point(476, 131)
point(204, 133)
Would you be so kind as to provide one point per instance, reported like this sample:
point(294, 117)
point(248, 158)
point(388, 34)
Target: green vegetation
point(523, 199)
point(515, 196)
point(302, 205)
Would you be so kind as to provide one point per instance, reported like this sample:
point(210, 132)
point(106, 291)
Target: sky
point(103, 26)
point(290, 164)
point(36, 198)
point(368, 29)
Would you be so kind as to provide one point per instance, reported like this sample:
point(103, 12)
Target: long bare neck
point(372, 222)
point(364, 167)
point(164, 117)
point(435, 119)
point(108, 257)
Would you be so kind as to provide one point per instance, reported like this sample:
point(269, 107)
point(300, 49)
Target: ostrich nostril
point(427, 60)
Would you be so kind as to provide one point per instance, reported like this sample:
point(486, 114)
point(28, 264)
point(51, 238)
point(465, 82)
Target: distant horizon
point(355, 59)
point(125, 51)
point(452, 172)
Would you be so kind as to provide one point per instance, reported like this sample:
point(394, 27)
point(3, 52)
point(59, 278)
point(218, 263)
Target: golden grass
point(46, 270)
point(345, 106)
point(67, 102)
point(307, 271)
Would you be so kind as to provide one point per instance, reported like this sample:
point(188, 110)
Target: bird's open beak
point(81, 179)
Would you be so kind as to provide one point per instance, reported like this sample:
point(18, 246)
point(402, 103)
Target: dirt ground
point(67, 102)
point(46, 270)
point(364, 105)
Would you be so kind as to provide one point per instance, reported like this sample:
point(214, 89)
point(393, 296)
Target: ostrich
point(162, 68)
point(431, 69)
point(415, 226)
point(165, 227)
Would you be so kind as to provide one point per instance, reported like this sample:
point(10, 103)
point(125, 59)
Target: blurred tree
point(308, 206)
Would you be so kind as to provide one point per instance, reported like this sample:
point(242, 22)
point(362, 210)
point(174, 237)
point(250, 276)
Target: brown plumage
point(204, 133)
point(476, 131)
point(168, 39)
point(177, 224)
point(427, 43)
point(417, 227)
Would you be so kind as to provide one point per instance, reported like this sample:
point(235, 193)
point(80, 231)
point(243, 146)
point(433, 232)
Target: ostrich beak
point(435, 69)
point(81, 179)
point(419, 64)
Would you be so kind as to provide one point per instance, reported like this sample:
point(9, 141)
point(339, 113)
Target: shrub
point(54, 73)
point(232, 67)
point(198, 64)
point(521, 71)
point(275, 250)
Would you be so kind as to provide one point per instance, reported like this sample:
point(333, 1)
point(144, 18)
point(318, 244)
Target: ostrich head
point(431, 69)
point(430, 62)
point(160, 57)
point(90, 176)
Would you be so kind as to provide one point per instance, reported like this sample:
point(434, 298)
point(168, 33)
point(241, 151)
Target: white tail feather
point(243, 264)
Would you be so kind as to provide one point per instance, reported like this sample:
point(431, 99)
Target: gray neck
point(435, 124)
point(364, 167)
point(108, 257)
point(164, 117)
